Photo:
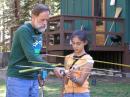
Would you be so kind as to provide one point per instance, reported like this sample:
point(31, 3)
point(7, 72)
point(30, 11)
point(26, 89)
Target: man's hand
point(57, 72)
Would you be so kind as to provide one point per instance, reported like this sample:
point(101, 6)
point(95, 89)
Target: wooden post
point(62, 31)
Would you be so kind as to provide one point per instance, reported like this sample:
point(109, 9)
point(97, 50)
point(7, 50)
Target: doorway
point(99, 10)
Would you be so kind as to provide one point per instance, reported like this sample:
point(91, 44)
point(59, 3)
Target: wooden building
point(107, 26)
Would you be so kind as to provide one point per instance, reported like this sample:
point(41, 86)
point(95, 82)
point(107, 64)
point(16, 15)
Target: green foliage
point(26, 6)
point(54, 6)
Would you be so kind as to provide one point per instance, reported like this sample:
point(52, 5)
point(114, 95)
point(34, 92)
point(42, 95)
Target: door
point(99, 9)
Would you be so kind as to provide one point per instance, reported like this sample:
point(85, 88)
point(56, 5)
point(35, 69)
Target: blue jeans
point(77, 94)
point(16, 87)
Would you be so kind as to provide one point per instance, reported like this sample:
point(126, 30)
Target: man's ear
point(86, 42)
point(33, 17)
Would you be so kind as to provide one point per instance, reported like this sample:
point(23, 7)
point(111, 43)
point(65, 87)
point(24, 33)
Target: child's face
point(78, 45)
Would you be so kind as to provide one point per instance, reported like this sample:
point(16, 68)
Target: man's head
point(40, 16)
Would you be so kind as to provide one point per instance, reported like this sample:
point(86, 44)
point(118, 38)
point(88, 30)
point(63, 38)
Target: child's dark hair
point(82, 35)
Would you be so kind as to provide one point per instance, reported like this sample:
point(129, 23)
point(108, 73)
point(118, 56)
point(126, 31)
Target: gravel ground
point(3, 73)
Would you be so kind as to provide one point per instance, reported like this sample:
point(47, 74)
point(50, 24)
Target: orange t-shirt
point(72, 87)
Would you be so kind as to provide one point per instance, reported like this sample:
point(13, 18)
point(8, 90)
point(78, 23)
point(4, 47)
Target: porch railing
point(104, 33)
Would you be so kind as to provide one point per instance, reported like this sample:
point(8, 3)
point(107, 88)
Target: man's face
point(40, 21)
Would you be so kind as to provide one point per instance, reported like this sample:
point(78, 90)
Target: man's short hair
point(39, 8)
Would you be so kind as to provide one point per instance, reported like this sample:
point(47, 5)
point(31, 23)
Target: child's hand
point(69, 73)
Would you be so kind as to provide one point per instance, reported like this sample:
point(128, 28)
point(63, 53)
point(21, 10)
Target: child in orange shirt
point(78, 66)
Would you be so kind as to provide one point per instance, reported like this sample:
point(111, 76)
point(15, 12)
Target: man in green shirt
point(26, 47)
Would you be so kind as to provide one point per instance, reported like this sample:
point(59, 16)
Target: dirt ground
point(3, 73)
point(98, 78)
point(110, 79)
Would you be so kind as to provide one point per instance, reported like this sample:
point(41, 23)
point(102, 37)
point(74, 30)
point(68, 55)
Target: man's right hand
point(57, 72)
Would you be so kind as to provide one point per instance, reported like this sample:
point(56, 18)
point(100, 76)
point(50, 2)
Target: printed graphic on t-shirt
point(37, 44)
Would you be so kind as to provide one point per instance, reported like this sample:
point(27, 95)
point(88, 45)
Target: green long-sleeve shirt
point(26, 46)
